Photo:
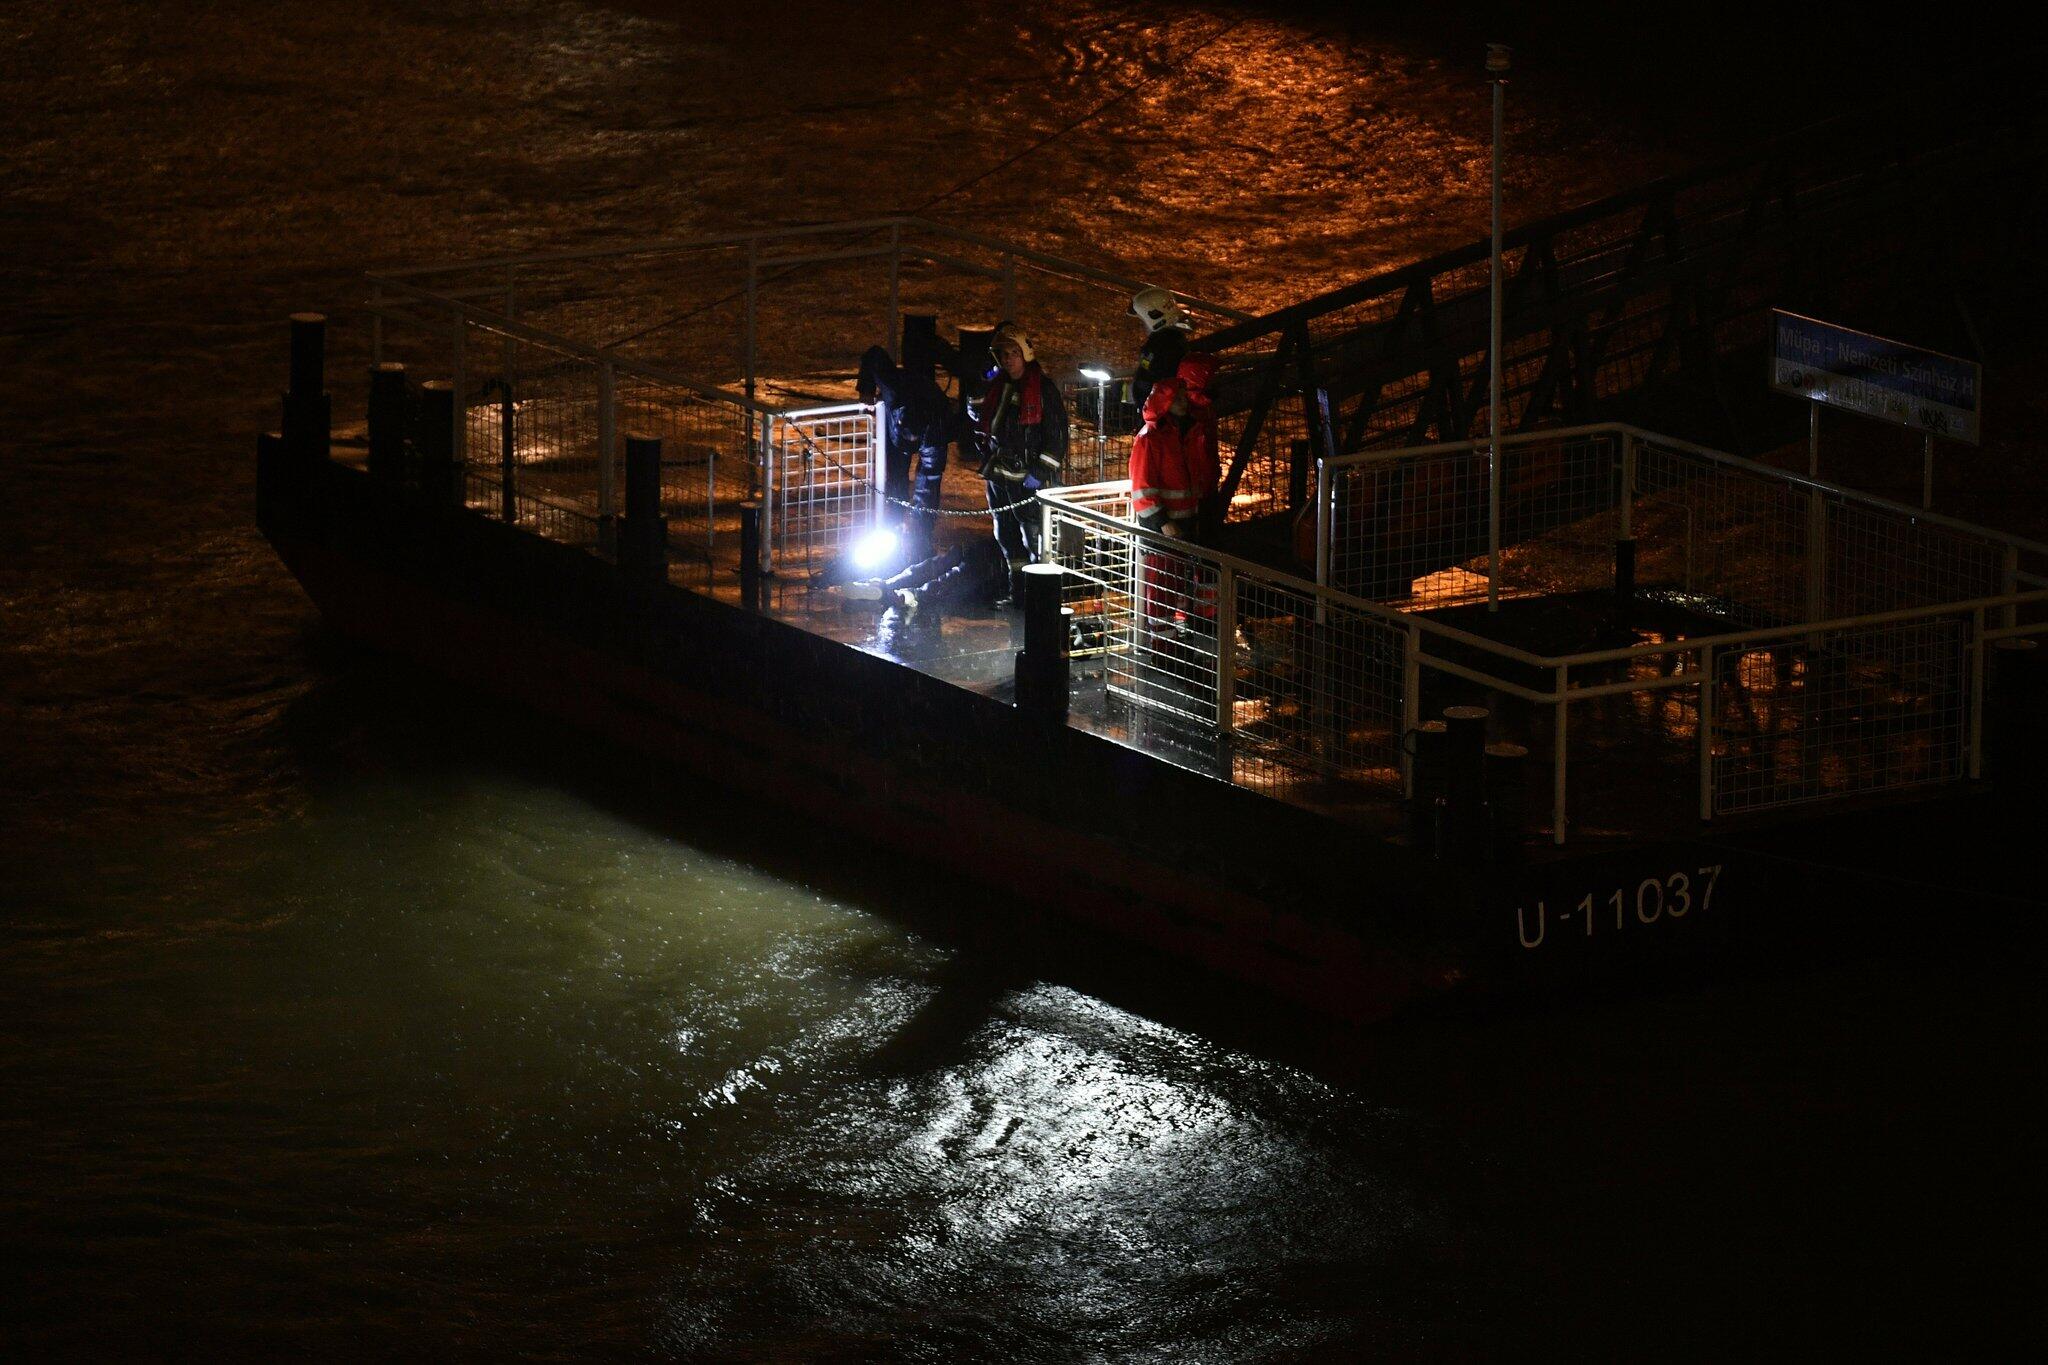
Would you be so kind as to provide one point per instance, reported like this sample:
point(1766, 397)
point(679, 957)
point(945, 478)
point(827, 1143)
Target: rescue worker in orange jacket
point(1174, 469)
point(1173, 458)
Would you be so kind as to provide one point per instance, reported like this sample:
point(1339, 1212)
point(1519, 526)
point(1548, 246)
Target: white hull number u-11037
point(1655, 898)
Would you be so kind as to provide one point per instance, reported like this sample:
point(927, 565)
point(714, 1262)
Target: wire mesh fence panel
point(1868, 709)
point(1732, 536)
point(1412, 529)
point(1270, 480)
point(1102, 424)
point(549, 520)
point(1885, 559)
point(549, 401)
point(1316, 690)
point(1559, 513)
point(822, 464)
point(707, 466)
point(1313, 688)
point(1147, 611)
point(1407, 530)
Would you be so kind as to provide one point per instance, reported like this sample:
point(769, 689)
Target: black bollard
point(750, 555)
point(1507, 799)
point(308, 414)
point(2013, 734)
point(433, 444)
point(389, 401)
point(1465, 781)
point(274, 476)
point(1042, 667)
point(1428, 806)
point(643, 546)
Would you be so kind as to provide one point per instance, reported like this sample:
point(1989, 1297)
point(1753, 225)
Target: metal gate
point(823, 484)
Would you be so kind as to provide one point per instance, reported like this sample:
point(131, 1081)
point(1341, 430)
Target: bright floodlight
point(1096, 373)
point(874, 549)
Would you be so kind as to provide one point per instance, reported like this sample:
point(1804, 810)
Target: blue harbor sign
point(1925, 390)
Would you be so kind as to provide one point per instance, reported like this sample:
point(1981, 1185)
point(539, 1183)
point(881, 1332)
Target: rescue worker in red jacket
point(1174, 468)
point(1166, 342)
point(1173, 458)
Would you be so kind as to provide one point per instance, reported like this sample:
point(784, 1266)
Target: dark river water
point(343, 1015)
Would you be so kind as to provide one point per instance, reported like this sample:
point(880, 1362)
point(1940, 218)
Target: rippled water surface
point(345, 1015)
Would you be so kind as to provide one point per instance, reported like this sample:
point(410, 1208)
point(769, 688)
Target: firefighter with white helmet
point(1166, 341)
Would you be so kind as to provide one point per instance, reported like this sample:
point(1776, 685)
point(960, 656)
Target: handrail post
point(1816, 557)
point(1411, 701)
point(710, 508)
point(767, 475)
point(1557, 757)
point(1706, 733)
point(753, 278)
point(1497, 68)
point(1975, 767)
point(508, 455)
point(2009, 615)
point(458, 438)
point(607, 431)
point(1324, 500)
point(1628, 483)
point(1226, 647)
point(878, 471)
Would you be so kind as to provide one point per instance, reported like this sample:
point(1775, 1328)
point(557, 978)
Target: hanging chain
point(869, 484)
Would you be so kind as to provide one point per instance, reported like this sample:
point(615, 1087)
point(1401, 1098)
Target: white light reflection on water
point(1055, 1175)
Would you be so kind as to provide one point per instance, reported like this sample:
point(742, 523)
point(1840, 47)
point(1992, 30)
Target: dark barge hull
point(1059, 821)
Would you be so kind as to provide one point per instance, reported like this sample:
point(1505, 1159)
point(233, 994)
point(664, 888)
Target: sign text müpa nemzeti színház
point(1925, 390)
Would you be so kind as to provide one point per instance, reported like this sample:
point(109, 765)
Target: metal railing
point(1805, 708)
point(737, 318)
point(1409, 527)
point(1307, 684)
point(1854, 662)
point(824, 483)
point(540, 418)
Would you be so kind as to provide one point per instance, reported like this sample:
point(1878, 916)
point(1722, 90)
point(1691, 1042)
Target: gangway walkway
point(1651, 292)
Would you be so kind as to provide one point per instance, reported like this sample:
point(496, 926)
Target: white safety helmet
point(1157, 308)
point(1010, 331)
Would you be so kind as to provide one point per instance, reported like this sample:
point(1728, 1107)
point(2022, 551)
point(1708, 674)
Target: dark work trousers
point(1016, 527)
point(920, 518)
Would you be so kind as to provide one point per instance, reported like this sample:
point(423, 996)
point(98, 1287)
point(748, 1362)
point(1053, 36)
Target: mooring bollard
point(1428, 806)
point(1507, 799)
point(643, 547)
point(2014, 712)
point(273, 478)
point(1465, 781)
point(1042, 667)
point(433, 444)
point(308, 414)
point(1624, 571)
point(388, 402)
point(750, 555)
